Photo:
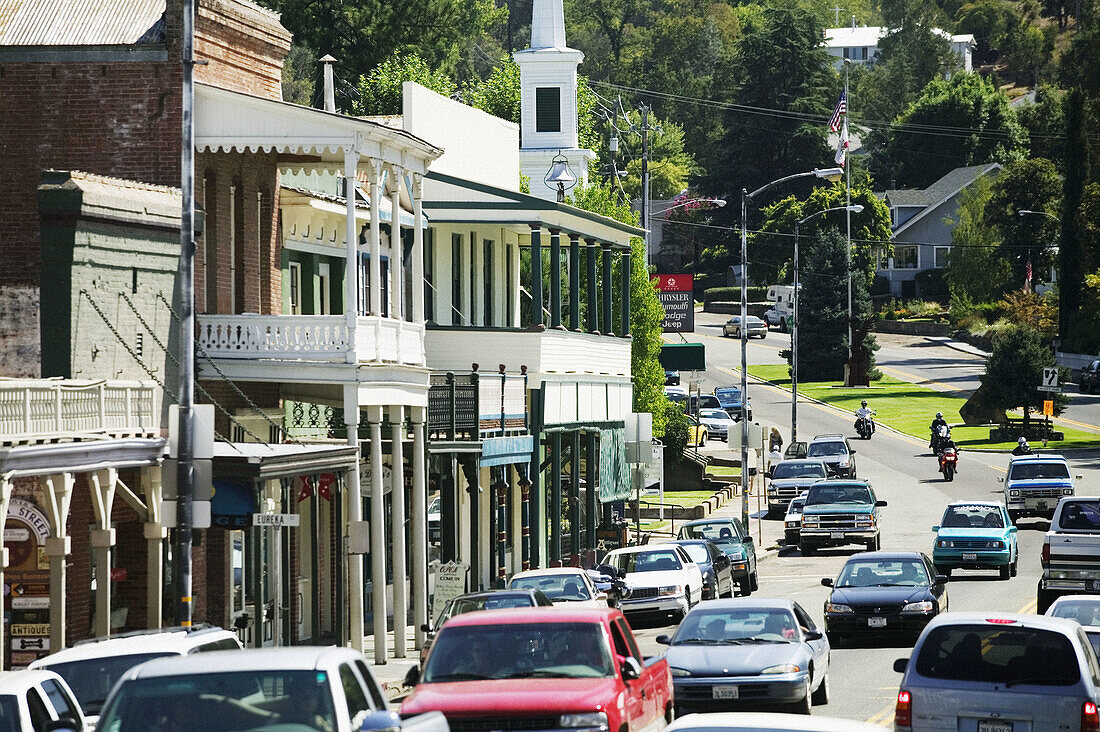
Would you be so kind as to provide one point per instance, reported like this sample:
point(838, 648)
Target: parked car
point(789, 478)
point(1034, 485)
point(730, 654)
point(291, 688)
point(91, 667)
point(697, 432)
point(1090, 377)
point(718, 422)
point(1085, 609)
point(672, 377)
point(754, 327)
point(998, 671)
point(766, 722)
point(564, 669)
point(472, 601)
point(38, 700)
point(792, 521)
point(713, 563)
point(835, 452)
point(1071, 551)
point(565, 586)
point(839, 512)
point(975, 535)
point(662, 579)
point(729, 399)
point(435, 522)
point(732, 538)
point(883, 594)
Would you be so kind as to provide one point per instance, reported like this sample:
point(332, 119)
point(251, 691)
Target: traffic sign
point(1049, 388)
point(1050, 377)
point(276, 520)
point(1048, 408)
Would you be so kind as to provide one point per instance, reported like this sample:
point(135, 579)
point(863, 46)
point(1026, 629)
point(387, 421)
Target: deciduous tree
point(1014, 372)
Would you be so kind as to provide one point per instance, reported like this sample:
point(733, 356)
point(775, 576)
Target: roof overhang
point(80, 456)
point(258, 461)
point(454, 200)
point(303, 137)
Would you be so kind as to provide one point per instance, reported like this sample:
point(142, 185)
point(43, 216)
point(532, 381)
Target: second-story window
point(429, 274)
point(487, 270)
point(295, 276)
point(456, 280)
point(509, 286)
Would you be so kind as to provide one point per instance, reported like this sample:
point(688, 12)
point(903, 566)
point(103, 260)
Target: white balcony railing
point(310, 338)
point(33, 410)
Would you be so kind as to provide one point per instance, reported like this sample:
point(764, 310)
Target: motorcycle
point(949, 462)
point(611, 582)
point(864, 427)
point(939, 435)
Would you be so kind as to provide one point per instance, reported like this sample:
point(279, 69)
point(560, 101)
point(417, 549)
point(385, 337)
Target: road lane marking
point(1029, 608)
point(884, 717)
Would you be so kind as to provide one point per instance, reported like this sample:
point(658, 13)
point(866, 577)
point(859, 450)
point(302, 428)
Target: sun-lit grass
point(686, 499)
point(907, 407)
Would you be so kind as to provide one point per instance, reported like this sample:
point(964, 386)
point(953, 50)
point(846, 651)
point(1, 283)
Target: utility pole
point(185, 476)
point(645, 179)
point(848, 222)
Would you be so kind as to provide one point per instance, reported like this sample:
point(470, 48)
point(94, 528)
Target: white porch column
point(377, 535)
point(58, 492)
point(418, 261)
point(419, 522)
point(155, 534)
point(375, 239)
point(5, 501)
point(354, 492)
point(103, 538)
point(397, 528)
point(351, 252)
point(397, 260)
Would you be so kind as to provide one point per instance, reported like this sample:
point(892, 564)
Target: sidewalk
point(957, 345)
point(391, 675)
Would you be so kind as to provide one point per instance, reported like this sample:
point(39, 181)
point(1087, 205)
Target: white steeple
point(548, 99)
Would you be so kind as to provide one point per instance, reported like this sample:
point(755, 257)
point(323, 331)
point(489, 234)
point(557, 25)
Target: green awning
point(684, 357)
point(614, 472)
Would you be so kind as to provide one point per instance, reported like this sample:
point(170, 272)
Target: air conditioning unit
point(262, 428)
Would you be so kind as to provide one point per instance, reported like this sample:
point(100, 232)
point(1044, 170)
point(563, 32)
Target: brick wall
point(244, 46)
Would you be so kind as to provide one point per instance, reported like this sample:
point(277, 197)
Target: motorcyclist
point(948, 444)
point(936, 423)
point(864, 412)
point(1022, 448)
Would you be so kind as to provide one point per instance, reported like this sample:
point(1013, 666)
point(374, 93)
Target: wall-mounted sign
point(276, 520)
point(677, 294)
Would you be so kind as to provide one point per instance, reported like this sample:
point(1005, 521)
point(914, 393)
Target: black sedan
point(713, 563)
point(883, 594)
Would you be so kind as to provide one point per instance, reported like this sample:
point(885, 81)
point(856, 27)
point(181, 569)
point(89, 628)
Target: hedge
point(733, 294)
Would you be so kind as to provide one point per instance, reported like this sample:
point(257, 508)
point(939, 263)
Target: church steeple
point(548, 99)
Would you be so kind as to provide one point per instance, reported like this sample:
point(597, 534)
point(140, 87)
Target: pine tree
point(823, 309)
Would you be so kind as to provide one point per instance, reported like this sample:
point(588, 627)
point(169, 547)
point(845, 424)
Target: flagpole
point(848, 218)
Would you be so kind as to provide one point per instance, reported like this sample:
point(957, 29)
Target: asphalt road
point(864, 684)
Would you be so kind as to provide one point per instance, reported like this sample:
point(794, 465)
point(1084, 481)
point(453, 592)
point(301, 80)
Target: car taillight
point(1090, 718)
point(1045, 558)
point(903, 712)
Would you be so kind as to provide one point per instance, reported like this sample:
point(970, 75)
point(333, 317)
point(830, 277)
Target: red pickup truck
point(541, 669)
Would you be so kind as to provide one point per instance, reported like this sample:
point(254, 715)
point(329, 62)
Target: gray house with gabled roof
point(921, 232)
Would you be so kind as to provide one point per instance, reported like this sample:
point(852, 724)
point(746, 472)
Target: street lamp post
point(744, 332)
point(794, 329)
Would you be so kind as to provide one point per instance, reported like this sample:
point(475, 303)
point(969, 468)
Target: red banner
point(674, 282)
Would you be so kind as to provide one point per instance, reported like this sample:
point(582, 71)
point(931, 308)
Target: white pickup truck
point(781, 313)
point(1071, 551)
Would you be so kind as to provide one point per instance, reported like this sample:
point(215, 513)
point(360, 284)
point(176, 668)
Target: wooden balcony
point(542, 352)
point(477, 406)
point(39, 410)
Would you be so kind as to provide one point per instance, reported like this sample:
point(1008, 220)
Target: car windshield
point(722, 532)
point(706, 401)
point(999, 654)
point(719, 414)
point(697, 553)
point(973, 517)
point(838, 493)
point(799, 470)
point(1038, 471)
point(825, 449)
point(91, 679)
point(9, 714)
point(1080, 515)
point(895, 573)
point(461, 605)
point(518, 651)
point(558, 587)
point(736, 627)
point(658, 560)
point(1085, 611)
point(729, 393)
point(239, 701)
point(795, 507)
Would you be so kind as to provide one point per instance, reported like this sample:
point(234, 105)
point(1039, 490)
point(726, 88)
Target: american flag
point(1027, 275)
point(841, 108)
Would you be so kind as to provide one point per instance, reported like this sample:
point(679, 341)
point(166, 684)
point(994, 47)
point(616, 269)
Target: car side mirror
point(941, 579)
point(601, 596)
point(412, 678)
point(631, 669)
point(812, 635)
point(851, 452)
point(880, 503)
point(605, 569)
point(900, 664)
point(826, 581)
point(1078, 476)
point(381, 719)
point(748, 539)
point(1001, 479)
point(664, 640)
point(935, 528)
point(426, 627)
point(1012, 529)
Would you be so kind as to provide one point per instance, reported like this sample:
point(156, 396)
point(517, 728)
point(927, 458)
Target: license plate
point(836, 535)
point(988, 725)
point(726, 692)
point(970, 557)
point(876, 622)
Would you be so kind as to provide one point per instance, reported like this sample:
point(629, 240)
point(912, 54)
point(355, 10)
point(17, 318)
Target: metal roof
point(81, 22)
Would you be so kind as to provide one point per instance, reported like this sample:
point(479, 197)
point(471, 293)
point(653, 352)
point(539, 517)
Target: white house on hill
point(860, 44)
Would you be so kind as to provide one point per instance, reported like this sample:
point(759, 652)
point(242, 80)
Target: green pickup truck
point(839, 512)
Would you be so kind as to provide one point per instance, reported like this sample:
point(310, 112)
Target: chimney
point(330, 87)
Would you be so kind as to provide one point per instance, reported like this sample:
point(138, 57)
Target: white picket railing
point(41, 409)
point(310, 338)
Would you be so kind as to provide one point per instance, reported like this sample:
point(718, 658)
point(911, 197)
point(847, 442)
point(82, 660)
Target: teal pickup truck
point(839, 512)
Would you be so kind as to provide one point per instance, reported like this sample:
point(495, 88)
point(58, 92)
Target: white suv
point(38, 700)
point(92, 666)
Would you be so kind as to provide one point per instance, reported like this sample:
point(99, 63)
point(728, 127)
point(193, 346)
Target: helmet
point(1022, 441)
point(939, 415)
point(863, 403)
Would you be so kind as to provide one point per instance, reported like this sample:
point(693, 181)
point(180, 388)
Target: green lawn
point(686, 499)
point(906, 407)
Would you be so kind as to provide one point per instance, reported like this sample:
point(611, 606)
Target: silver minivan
point(999, 672)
